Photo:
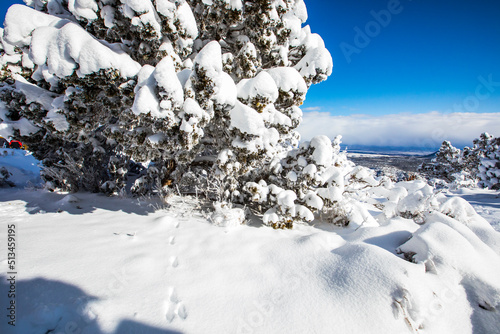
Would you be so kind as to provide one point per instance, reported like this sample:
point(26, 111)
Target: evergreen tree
point(112, 94)
point(487, 149)
point(310, 179)
point(447, 162)
point(479, 164)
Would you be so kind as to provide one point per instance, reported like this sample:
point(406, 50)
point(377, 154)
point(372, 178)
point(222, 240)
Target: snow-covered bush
point(111, 94)
point(455, 167)
point(448, 161)
point(309, 180)
point(477, 165)
point(488, 148)
point(226, 216)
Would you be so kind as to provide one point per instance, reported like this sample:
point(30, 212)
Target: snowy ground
point(485, 202)
point(406, 163)
point(88, 263)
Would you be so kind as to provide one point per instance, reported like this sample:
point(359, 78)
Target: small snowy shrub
point(451, 165)
point(488, 148)
point(135, 95)
point(419, 199)
point(477, 165)
point(309, 180)
point(227, 216)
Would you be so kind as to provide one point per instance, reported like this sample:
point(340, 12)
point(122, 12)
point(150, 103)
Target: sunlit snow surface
point(93, 264)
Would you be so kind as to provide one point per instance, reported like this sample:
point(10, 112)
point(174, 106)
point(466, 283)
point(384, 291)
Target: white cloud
point(401, 130)
point(312, 109)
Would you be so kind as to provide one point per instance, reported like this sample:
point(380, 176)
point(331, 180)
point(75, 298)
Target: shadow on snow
point(42, 201)
point(49, 306)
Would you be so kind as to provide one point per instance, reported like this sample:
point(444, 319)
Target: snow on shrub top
point(317, 63)
point(210, 59)
point(288, 79)
point(249, 121)
point(193, 114)
point(167, 79)
point(322, 154)
point(83, 9)
point(164, 78)
point(300, 10)
point(8, 127)
point(186, 20)
point(225, 91)
point(70, 48)
point(262, 86)
point(20, 22)
point(233, 4)
point(142, 13)
point(139, 6)
point(145, 95)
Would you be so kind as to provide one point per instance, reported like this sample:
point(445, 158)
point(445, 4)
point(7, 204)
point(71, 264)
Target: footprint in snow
point(174, 262)
point(171, 240)
point(175, 307)
point(170, 315)
point(181, 311)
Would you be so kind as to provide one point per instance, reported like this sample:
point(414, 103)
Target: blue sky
point(436, 59)
point(428, 57)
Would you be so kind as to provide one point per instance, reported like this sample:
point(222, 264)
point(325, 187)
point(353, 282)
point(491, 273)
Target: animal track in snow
point(174, 262)
point(175, 307)
point(181, 311)
point(170, 312)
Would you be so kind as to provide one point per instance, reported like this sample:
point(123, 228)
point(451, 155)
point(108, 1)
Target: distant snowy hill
point(391, 150)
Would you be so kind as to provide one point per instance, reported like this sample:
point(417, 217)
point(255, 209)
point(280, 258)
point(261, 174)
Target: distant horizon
point(389, 150)
point(425, 130)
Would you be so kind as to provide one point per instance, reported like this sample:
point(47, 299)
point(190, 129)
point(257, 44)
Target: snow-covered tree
point(117, 93)
point(309, 180)
point(477, 165)
point(454, 166)
point(448, 161)
point(488, 151)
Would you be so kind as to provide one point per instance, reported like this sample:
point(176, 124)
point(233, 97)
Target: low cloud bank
point(401, 130)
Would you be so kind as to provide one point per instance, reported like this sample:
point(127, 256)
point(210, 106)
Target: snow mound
point(197, 277)
point(435, 269)
point(22, 169)
point(68, 199)
point(450, 250)
point(224, 216)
